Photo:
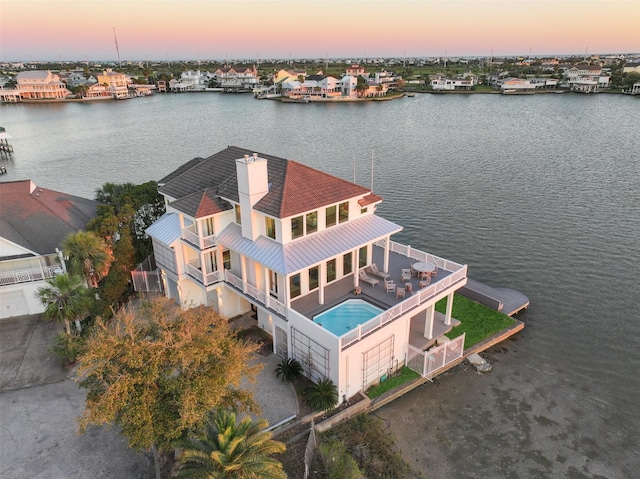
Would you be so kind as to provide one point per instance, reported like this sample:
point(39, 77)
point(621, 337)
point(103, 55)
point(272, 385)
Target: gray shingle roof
point(39, 219)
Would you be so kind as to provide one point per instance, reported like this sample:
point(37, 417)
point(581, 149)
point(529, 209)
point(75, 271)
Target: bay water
point(539, 193)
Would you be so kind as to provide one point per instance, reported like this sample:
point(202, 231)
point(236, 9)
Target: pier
point(6, 150)
point(506, 300)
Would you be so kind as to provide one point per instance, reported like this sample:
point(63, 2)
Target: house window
point(294, 286)
point(238, 215)
point(273, 283)
point(362, 256)
point(363, 211)
point(208, 227)
point(331, 270)
point(344, 212)
point(347, 264)
point(297, 227)
point(226, 259)
point(270, 226)
point(313, 278)
point(331, 216)
point(312, 222)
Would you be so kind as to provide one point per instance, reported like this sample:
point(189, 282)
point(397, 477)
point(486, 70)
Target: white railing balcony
point(260, 296)
point(201, 242)
point(28, 275)
point(207, 279)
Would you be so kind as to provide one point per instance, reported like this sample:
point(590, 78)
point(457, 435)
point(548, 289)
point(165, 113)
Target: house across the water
point(306, 251)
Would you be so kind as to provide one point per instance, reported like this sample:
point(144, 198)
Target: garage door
point(13, 303)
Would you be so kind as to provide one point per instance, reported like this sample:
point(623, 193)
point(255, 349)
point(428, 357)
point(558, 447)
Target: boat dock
point(506, 300)
point(6, 150)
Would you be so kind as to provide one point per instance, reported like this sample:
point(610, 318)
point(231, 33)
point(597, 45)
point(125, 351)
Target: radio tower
point(117, 49)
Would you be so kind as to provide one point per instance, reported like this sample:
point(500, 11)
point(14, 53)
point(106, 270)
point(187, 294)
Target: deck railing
point(193, 270)
point(260, 296)
point(28, 275)
point(202, 242)
point(422, 256)
point(431, 362)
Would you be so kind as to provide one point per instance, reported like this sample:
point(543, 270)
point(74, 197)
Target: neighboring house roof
point(39, 219)
point(294, 187)
point(34, 75)
point(309, 251)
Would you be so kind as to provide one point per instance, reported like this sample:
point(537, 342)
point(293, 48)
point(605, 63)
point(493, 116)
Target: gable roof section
point(174, 174)
point(294, 187)
point(39, 219)
point(201, 204)
point(166, 229)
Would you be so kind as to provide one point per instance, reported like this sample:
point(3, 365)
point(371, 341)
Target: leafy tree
point(288, 370)
point(157, 372)
point(228, 449)
point(88, 255)
point(338, 462)
point(118, 282)
point(65, 299)
point(322, 396)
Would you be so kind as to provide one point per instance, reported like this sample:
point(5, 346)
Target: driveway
point(39, 408)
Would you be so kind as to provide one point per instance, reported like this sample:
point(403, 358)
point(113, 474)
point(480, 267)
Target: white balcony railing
point(194, 270)
point(28, 275)
point(202, 242)
point(260, 296)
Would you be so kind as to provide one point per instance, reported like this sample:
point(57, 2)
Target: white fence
point(28, 275)
point(431, 362)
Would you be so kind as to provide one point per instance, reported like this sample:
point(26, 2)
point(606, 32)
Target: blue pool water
point(347, 316)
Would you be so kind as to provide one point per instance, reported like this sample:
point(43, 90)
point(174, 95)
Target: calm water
point(540, 193)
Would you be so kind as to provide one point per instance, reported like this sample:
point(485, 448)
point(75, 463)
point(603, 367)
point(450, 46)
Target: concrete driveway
point(39, 408)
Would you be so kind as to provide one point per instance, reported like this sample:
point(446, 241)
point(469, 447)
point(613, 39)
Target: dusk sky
point(212, 29)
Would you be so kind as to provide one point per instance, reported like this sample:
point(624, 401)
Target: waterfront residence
point(117, 84)
point(451, 84)
point(585, 78)
point(34, 221)
point(237, 78)
point(41, 85)
point(190, 80)
point(307, 252)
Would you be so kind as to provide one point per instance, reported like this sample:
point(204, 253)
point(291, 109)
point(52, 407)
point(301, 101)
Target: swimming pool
point(347, 316)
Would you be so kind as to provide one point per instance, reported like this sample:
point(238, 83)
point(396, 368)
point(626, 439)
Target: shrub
point(322, 396)
point(67, 348)
point(288, 370)
point(338, 462)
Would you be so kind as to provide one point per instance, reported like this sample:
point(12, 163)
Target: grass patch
point(477, 321)
point(405, 376)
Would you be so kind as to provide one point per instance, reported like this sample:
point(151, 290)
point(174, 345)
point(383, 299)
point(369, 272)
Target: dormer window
point(312, 222)
point(270, 227)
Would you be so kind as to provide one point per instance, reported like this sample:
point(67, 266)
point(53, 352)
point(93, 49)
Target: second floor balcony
point(25, 270)
point(200, 242)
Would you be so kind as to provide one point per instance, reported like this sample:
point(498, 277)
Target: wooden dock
point(506, 300)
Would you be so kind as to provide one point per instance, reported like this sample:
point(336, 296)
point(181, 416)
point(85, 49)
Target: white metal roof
point(309, 251)
point(166, 229)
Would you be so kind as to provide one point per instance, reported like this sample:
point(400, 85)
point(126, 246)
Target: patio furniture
point(373, 269)
point(406, 275)
point(424, 268)
point(400, 292)
point(408, 286)
point(367, 279)
point(390, 286)
point(425, 282)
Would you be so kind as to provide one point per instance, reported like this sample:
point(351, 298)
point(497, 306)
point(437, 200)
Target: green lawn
point(478, 321)
point(405, 376)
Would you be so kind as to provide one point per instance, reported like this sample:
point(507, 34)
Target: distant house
point(190, 80)
point(451, 84)
point(631, 67)
point(34, 221)
point(516, 85)
point(41, 85)
point(237, 78)
point(355, 71)
point(586, 78)
point(116, 83)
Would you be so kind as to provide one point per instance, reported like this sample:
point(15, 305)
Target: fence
point(310, 450)
point(146, 277)
point(429, 363)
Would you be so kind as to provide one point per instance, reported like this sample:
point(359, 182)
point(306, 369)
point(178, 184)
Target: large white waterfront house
point(246, 231)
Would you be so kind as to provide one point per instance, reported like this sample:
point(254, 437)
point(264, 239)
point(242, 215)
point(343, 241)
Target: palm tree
point(322, 396)
point(88, 255)
point(65, 298)
point(226, 449)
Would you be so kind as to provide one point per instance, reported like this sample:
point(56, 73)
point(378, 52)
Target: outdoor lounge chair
point(406, 275)
point(373, 269)
point(367, 279)
point(391, 286)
